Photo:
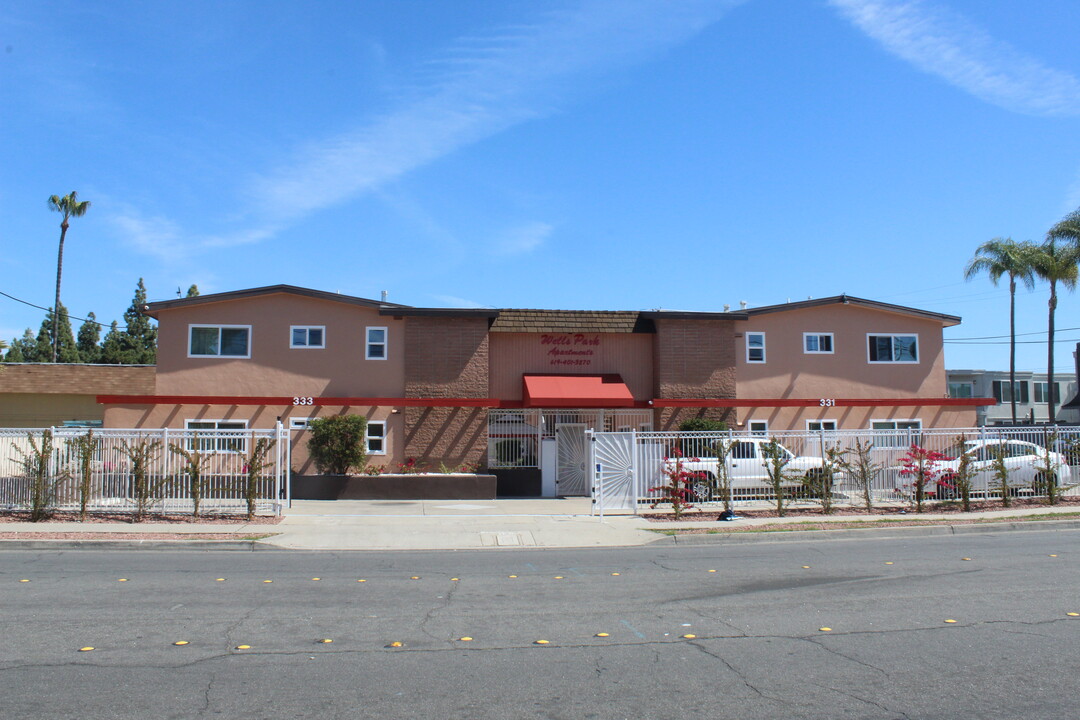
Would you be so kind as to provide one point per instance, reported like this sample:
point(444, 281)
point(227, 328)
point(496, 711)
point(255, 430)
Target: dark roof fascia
point(404, 311)
point(690, 315)
point(851, 300)
point(154, 307)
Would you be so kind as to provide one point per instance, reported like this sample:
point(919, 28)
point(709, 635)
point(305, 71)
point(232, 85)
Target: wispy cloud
point(484, 86)
point(523, 239)
point(942, 42)
point(456, 302)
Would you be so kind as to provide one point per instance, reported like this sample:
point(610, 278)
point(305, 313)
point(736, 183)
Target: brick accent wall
point(694, 359)
point(446, 357)
point(64, 379)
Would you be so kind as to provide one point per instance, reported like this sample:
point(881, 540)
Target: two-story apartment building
point(516, 389)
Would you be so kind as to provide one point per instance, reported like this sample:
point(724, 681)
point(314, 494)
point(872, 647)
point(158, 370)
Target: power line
point(1005, 342)
point(996, 337)
point(46, 309)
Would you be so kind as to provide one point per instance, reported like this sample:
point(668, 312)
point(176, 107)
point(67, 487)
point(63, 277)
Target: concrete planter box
point(394, 487)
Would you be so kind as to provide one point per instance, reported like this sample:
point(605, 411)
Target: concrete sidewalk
point(463, 525)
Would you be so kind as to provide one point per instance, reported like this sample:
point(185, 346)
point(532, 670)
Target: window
point(893, 348)
point(1042, 392)
point(376, 438)
point(299, 423)
point(755, 347)
point(906, 431)
point(1004, 393)
point(819, 425)
point(961, 390)
point(219, 341)
point(305, 336)
point(759, 427)
point(222, 442)
point(817, 343)
point(376, 343)
point(743, 450)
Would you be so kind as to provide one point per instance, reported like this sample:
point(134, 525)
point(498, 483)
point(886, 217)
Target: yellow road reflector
point(316, 579)
point(361, 580)
point(602, 635)
point(268, 581)
point(326, 640)
point(181, 642)
point(415, 577)
point(805, 567)
point(121, 579)
point(1053, 556)
point(950, 621)
point(465, 639)
point(511, 576)
point(24, 580)
point(965, 558)
point(712, 571)
point(540, 642)
point(243, 647)
point(396, 643)
point(86, 649)
point(614, 573)
point(1073, 614)
point(219, 579)
point(689, 636)
point(454, 579)
point(558, 577)
point(889, 562)
point(825, 629)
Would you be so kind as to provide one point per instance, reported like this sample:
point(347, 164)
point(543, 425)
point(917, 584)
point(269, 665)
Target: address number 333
point(303, 401)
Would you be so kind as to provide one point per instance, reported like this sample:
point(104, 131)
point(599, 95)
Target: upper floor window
point(892, 348)
point(817, 343)
point(961, 390)
point(376, 343)
point(219, 341)
point(755, 347)
point(307, 336)
point(1042, 392)
point(1004, 393)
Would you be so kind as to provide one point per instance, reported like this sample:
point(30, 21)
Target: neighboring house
point(1032, 391)
point(517, 389)
point(35, 395)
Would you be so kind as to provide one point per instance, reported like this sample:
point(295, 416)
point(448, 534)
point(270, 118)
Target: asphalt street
point(825, 629)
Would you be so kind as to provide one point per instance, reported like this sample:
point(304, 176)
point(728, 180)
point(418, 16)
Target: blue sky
point(593, 154)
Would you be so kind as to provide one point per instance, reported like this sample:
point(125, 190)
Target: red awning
point(576, 391)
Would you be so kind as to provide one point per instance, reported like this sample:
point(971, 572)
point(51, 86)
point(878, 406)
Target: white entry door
point(572, 476)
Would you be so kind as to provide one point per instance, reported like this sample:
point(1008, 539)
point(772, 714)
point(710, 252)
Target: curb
point(135, 544)
point(781, 536)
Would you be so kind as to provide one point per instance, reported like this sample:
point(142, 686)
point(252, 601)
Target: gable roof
point(153, 308)
point(945, 320)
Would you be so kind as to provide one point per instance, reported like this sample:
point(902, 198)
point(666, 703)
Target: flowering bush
point(677, 490)
point(411, 467)
point(919, 470)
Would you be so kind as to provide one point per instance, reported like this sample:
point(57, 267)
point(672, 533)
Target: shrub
point(703, 425)
point(919, 467)
point(35, 466)
point(337, 443)
point(256, 465)
point(858, 463)
point(141, 454)
point(776, 461)
point(1001, 474)
point(86, 446)
point(677, 490)
point(193, 466)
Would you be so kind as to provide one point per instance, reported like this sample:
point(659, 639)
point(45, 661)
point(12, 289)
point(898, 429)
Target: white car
point(746, 466)
point(1025, 461)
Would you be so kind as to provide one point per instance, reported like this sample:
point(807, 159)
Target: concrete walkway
point(461, 525)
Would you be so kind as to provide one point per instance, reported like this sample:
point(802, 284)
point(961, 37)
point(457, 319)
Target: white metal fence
point(1025, 453)
point(111, 485)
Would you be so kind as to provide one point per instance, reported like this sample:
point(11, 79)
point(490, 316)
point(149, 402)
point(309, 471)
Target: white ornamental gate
point(611, 460)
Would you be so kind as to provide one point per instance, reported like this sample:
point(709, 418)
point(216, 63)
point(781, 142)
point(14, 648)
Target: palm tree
point(998, 257)
point(1058, 264)
point(69, 206)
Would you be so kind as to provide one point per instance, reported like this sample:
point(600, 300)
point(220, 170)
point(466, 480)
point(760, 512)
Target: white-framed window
point(376, 437)
point(219, 341)
point(376, 343)
point(1004, 393)
point(755, 347)
point(887, 348)
point(961, 389)
point(1042, 392)
point(817, 343)
point(299, 423)
point(307, 336)
point(903, 432)
point(759, 427)
point(819, 425)
point(231, 443)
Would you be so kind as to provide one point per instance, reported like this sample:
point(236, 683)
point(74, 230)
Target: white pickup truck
point(746, 466)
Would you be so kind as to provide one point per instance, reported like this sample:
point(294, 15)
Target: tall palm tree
point(998, 257)
point(1058, 264)
point(68, 206)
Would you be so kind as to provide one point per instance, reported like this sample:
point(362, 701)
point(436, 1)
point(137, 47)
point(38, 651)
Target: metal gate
point(572, 477)
point(611, 460)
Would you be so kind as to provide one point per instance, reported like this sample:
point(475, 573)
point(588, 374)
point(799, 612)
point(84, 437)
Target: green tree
point(113, 346)
point(55, 341)
point(193, 291)
point(997, 258)
point(142, 333)
point(1057, 264)
point(24, 349)
point(88, 341)
point(69, 206)
point(336, 443)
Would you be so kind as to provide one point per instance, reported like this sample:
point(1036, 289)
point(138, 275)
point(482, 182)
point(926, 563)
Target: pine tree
point(193, 291)
point(25, 349)
point(15, 352)
point(65, 350)
point(142, 334)
point(88, 342)
point(113, 347)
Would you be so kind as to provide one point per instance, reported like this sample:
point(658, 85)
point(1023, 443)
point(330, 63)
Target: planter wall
point(394, 487)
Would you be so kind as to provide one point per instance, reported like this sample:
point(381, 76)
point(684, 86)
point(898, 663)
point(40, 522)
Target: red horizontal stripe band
point(825, 402)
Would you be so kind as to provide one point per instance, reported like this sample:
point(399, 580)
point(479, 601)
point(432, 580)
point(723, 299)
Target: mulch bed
point(10, 516)
point(711, 514)
point(127, 537)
